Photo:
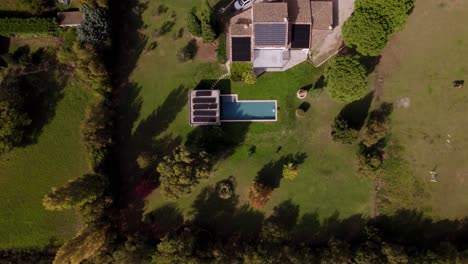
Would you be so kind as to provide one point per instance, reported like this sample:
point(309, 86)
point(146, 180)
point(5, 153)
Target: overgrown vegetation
point(221, 49)
point(27, 26)
point(95, 27)
point(188, 51)
point(242, 72)
point(342, 132)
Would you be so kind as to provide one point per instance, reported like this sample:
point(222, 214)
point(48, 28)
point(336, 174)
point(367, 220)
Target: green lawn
point(327, 182)
point(421, 63)
point(26, 174)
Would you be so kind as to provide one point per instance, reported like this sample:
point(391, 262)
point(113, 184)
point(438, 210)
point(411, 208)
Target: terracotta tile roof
point(299, 11)
point(322, 14)
point(270, 12)
point(70, 18)
point(241, 30)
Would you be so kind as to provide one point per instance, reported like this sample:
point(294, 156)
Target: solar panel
point(203, 93)
point(204, 119)
point(205, 113)
point(204, 100)
point(240, 49)
point(300, 36)
point(270, 34)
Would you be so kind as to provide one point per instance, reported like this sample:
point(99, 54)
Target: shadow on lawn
point(271, 174)
point(355, 113)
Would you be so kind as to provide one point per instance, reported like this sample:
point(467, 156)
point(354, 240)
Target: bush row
point(22, 26)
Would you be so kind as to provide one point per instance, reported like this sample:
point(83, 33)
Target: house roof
point(299, 11)
point(70, 18)
point(322, 14)
point(241, 30)
point(270, 12)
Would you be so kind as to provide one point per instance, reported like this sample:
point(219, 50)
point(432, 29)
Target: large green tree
point(13, 123)
point(181, 171)
point(77, 192)
point(346, 79)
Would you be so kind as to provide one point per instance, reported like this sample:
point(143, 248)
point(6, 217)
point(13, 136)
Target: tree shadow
point(320, 83)
point(223, 217)
point(355, 113)
point(285, 214)
point(223, 85)
point(164, 219)
point(304, 106)
point(271, 174)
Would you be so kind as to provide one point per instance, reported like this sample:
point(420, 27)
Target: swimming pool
point(234, 110)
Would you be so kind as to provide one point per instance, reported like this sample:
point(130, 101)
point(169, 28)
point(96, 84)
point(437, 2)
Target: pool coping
point(236, 99)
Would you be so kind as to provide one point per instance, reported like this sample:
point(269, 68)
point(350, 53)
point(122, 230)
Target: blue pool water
point(248, 110)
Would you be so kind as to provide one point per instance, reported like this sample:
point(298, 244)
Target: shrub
point(225, 190)
point(242, 71)
point(221, 50)
point(193, 23)
point(342, 132)
point(188, 51)
point(95, 27)
point(208, 33)
point(316, 92)
point(290, 171)
point(13, 123)
point(259, 195)
point(27, 26)
point(206, 18)
point(144, 159)
point(346, 79)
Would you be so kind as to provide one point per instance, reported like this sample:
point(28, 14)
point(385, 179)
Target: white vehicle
point(240, 4)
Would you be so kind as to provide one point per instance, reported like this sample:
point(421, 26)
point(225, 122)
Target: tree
point(259, 194)
point(95, 27)
point(365, 33)
point(176, 249)
point(342, 132)
point(181, 171)
point(346, 79)
point(84, 245)
point(188, 51)
point(393, 12)
point(290, 171)
point(78, 192)
point(194, 23)
point(206, 18)
point(13, 123)
point(378, 125)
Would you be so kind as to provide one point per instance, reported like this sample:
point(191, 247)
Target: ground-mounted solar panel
point(241, 49)
point(205, 113)
point(300, 36)
point(201, 106)
point(203, 100)
point(270, 34)
point(203, 93)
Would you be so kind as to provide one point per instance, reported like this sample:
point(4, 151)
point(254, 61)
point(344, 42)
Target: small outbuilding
point(70, 18)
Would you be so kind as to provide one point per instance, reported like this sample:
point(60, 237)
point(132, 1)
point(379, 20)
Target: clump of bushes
point(188, 51)
point(242, 72)
point(259, 195)
point(25, 26)
point(194, 23)
point(290, 171)
point(95, 28)
point(342, 132)
point(202, 25)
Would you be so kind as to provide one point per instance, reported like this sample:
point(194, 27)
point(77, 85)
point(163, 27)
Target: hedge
point(27, 26)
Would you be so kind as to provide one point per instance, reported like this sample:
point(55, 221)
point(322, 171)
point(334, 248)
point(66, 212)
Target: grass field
point(327, 182)
point(421, 63)
point(26, 174)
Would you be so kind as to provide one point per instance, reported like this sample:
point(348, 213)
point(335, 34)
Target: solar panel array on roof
point(270, 34)
point(240, 49)
point(203, 93)
point(198, 100)
point(300, 36)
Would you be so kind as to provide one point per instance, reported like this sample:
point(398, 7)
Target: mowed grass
point(327, 182)
point(421, 63)
point(34, 42)
point(26, 174)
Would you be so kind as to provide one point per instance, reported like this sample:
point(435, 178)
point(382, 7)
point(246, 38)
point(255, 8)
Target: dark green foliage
point(27, 26)
point(372, 22)
point(97, 132)
point(13, 123)
point(221, 50)
point(188, 51)
point(95, 28)
point(13, 256)
point(208, 33)
point(194, 23)
point(206, 19)
point(378, 125)
point(242, 72)
point(176, 249)
point(342, 132)
point(76, 193)
point(181, 171)
point(346, 79)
